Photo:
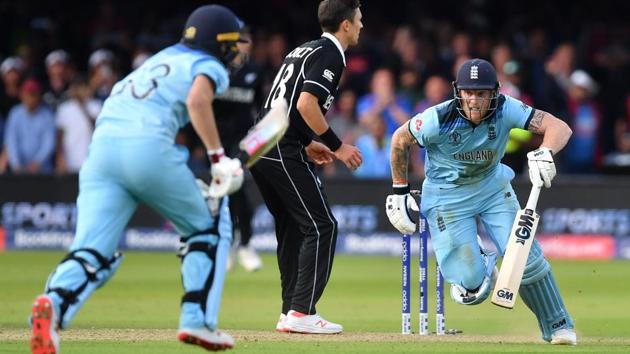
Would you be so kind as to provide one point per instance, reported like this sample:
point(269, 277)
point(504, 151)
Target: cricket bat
point(265, 134)
point(516, 253)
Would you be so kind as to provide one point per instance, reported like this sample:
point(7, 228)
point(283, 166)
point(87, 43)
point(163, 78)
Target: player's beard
point(476, 114)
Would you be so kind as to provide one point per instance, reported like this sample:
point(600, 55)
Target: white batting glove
point(397, 208)
point(227, 177)
point(213, 203)
point(542, 170)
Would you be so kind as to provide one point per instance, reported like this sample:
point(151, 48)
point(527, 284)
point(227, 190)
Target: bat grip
point(532, 201)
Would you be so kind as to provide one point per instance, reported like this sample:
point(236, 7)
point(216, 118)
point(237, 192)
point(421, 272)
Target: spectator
point(374, 146)
point(583, 155)
point(2, 158)
point(102, 73)
point(139, 58)
point(12, 70)
point(622, 129)
point(342, 120)
point(343, 117)
point(30, 133)
point(618, 161)
point(459, 47)
point(274, 50)
point(436, 90)
point(75, 124)
point(382, 103)
point(520, 141)
point(553, 96)
point(409, 90)
point(59, 77)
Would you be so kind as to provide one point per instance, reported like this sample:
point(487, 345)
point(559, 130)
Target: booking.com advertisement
point(585, 225)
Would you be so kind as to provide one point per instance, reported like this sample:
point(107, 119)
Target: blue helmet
point(477, 74)
point(214, 29)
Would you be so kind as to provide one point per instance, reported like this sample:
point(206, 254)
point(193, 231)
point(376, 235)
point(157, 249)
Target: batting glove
point(397, 208)
point(227, 175)
point(542, 169)
point(213, 203)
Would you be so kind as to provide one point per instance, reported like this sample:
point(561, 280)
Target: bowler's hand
point(319, 153)
point(350, 156)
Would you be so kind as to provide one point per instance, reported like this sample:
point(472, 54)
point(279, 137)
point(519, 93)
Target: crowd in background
point(59, 66)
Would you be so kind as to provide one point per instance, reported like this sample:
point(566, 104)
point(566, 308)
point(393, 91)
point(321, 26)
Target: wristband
point(215, 155)
point(330, 139)
point(401, 189)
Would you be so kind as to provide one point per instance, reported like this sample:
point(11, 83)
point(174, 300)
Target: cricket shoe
point(282, 321)
point(564, 336)
point(44, 322)
point(298, 322)
point(203, 337)
point(249, 259)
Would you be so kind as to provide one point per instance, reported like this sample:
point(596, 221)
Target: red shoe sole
point(42, 313)
point(215, 347)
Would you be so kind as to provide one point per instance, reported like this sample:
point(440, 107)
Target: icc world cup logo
point(454, 138)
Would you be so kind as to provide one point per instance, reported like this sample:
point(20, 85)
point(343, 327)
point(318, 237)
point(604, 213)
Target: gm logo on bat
point(525, 222)
point(505, 294)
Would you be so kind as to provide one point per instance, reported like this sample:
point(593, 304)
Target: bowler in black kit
point(306, 229)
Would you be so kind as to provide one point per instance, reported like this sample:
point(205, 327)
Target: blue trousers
point(121, 173)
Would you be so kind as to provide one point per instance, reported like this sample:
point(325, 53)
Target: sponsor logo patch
point(441, 223)
point(524, 107)
point(328, 75)
point(559, 324)
point(454, 138)
point(505, 294)
point(474, 72)
point(492, 133)
point(526, 222)
point(418, 124)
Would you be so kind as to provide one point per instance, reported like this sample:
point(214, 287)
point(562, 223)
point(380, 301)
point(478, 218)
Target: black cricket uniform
point(306, 229)
point(234, 114)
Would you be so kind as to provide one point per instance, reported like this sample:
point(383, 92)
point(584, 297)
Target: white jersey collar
point(337, 44)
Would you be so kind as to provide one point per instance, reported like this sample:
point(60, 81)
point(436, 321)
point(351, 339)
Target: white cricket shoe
point(564, 336)
point(298, 322)
point(249, 259)
point(203, 337)
point(44, 331)
point(281, 323)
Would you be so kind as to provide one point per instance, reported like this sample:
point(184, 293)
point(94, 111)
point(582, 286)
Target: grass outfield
point(137, 312)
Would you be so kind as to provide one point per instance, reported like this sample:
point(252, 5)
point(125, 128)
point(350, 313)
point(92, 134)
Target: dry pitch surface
point(130, 335)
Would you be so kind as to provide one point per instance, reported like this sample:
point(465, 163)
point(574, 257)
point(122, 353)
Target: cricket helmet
point(214, 29)
point(476, 74)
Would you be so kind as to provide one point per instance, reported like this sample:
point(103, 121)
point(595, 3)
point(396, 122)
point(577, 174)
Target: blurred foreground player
point(234, 110)
point(465, 139)
point(306, 229)
point(133, 159)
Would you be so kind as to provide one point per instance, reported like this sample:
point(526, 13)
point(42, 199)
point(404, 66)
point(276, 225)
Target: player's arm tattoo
point(399, 154)
point(535, 125)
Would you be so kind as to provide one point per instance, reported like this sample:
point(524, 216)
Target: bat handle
point(532, 201)
point(243, 156)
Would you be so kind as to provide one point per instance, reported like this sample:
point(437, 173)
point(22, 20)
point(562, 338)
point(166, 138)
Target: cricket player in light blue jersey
point(465, 139)
point(133, 159)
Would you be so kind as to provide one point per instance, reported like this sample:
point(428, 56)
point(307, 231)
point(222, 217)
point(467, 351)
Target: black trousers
point(241, 213)
point(306, 230)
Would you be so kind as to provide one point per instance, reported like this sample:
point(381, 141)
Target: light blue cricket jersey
point(460, 153)
point(151, 100)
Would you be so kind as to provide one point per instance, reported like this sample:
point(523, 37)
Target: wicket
point(440, 320)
